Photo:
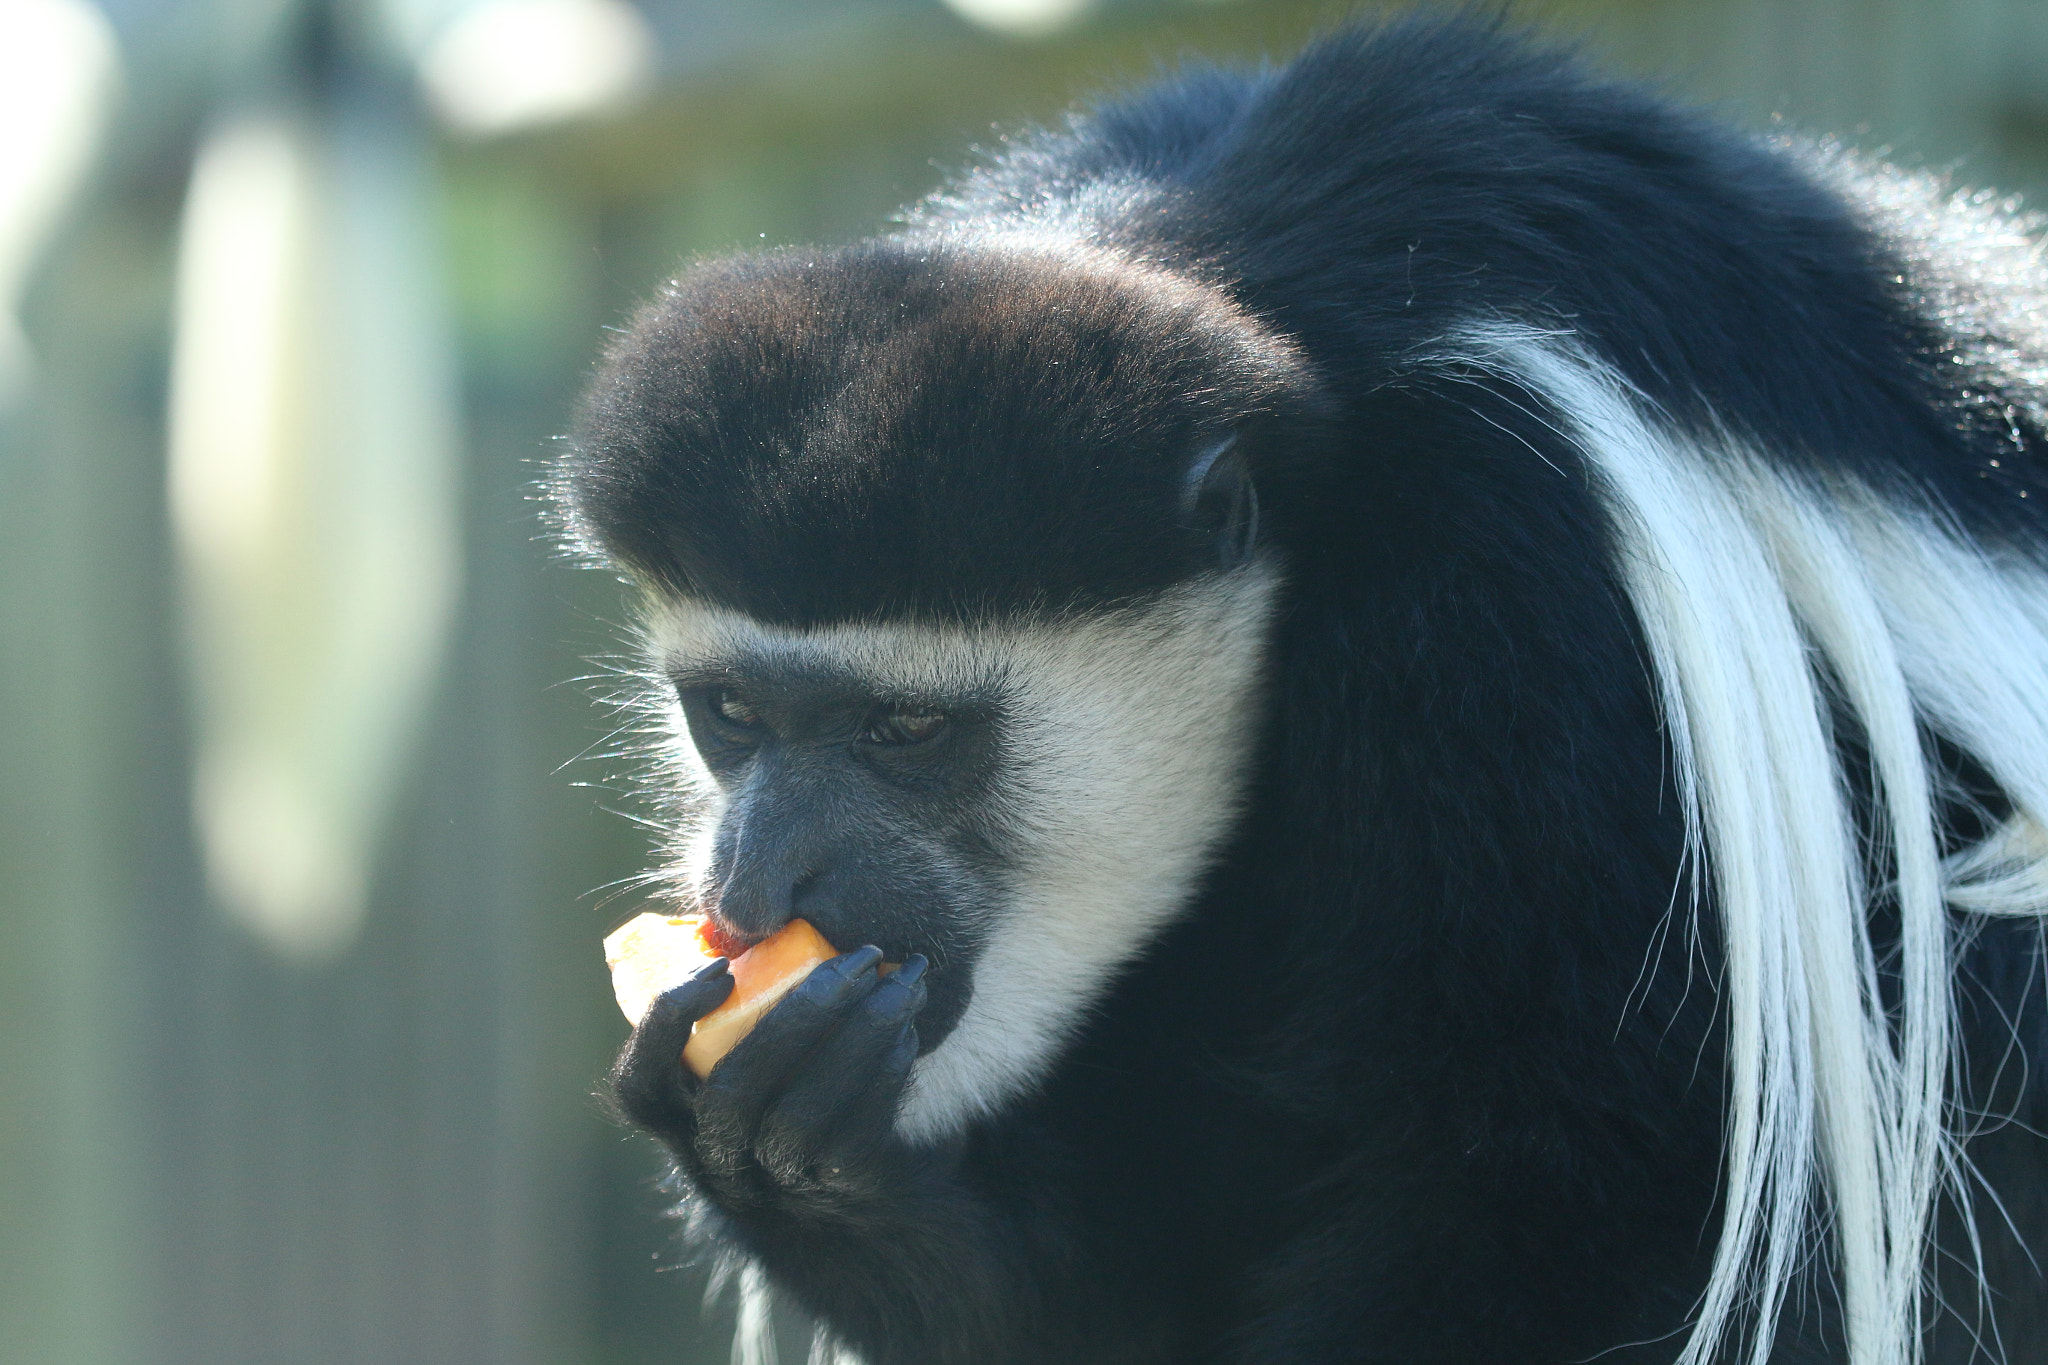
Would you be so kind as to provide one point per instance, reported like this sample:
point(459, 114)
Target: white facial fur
point(1127, 738)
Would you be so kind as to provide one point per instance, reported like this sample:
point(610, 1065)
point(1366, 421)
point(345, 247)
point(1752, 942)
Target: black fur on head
point(768, 435)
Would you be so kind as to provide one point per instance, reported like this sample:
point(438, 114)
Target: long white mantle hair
point(1763, 598)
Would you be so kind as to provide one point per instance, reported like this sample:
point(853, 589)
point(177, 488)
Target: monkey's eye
point(905, 727)
point(728, 706)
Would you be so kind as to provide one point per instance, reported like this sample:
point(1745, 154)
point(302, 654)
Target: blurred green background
point(305, 818)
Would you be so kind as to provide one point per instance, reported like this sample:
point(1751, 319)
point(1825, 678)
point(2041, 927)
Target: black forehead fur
point(995, 408)
point(918, 427)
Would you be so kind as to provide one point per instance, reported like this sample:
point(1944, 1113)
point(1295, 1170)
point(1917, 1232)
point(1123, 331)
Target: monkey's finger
point(855, 1060)
point(749, 1078)
point(842, 1102)
point(649, 1081)
point(779, 1044)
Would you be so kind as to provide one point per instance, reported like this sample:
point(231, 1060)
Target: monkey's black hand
point(800, 1115)
point(649, 1081)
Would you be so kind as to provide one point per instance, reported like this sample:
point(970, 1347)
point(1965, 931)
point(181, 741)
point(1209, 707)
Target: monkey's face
point(957, 599)
point(1025, 803)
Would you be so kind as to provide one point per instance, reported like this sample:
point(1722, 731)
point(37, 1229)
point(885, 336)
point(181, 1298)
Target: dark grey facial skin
point(865, 815)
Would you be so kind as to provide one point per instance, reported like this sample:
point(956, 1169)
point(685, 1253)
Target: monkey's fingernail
point(911, 970)
point(717, 966)
point(860, 959)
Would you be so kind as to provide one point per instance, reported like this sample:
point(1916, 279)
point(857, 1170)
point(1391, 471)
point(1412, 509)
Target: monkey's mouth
point(948, 977)
point(949, 962)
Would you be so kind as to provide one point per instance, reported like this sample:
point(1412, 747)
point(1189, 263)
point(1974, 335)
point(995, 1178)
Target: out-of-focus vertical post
point(67, 1198)
point(312, 485)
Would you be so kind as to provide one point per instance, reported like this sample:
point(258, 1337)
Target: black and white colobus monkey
point(1441, 672)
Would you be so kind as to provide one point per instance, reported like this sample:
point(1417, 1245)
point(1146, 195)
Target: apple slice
point(653, 953)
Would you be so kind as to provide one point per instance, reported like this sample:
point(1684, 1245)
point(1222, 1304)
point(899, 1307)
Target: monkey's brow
point(746, 668)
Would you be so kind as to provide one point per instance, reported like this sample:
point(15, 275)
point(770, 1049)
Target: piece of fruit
point(761, 976)
point(653, 953)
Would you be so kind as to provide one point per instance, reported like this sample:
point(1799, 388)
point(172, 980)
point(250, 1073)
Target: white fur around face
point(1127, 735)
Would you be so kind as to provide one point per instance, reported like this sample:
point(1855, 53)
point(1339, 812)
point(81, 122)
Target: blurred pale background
point(304, 823)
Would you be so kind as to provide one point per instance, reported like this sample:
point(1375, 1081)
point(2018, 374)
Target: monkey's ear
point(1219, 501)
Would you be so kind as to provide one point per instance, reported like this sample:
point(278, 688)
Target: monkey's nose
point(754, 903)
point(751, 908)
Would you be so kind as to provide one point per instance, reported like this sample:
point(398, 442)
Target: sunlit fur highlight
point(1761, 598)
point(1127, 733)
